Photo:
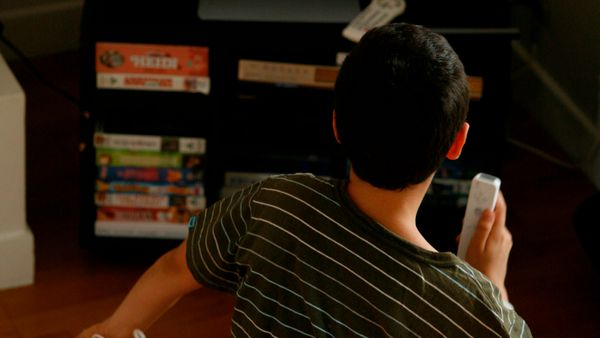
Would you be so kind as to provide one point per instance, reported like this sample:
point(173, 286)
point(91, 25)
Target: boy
point(307, 256)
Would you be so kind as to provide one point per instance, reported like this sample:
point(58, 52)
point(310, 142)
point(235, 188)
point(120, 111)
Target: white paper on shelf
point(378, 13)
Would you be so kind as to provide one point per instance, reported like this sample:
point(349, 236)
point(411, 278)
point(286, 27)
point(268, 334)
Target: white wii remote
point(482, 195)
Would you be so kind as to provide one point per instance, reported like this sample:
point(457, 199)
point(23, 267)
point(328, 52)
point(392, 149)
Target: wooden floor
point(552, 282)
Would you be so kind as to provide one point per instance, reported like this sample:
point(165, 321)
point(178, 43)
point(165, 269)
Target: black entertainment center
point(268, 126)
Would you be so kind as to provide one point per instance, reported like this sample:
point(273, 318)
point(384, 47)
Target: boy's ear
point(335, 131)
point(459, 142)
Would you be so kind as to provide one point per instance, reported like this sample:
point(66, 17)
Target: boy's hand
point(106, 330)
point(491, 244)
point(99, 329)
point(96, 329)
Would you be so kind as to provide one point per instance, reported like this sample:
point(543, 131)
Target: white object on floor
point(137, 333)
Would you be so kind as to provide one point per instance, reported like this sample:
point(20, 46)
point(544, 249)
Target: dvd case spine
point(184, 145)
point(127, 214)
point(149, 174)
point(130, 158)
point(194, 189)
point(193, 203)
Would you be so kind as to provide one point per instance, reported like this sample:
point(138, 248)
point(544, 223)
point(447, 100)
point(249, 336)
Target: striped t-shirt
point(304, 261)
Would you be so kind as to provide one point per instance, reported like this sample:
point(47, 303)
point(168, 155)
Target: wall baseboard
point(16, 239)
point(43, 29)
point(17, 267)
point(552, 107)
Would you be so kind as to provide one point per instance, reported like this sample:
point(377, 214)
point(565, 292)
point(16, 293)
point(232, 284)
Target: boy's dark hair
point(400, 98)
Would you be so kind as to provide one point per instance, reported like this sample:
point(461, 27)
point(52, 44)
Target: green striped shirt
point(304, 261)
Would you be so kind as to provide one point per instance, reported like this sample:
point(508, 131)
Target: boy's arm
point(159, 288)
point(491, 244)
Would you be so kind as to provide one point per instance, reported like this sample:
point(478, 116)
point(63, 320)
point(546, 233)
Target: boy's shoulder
point(301, 178)
point(302, 183)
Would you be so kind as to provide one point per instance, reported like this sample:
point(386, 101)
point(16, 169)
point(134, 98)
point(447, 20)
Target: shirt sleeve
point(513, 324)
point(213, 238)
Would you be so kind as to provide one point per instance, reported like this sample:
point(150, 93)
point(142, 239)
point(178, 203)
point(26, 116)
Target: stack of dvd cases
point(147, 185)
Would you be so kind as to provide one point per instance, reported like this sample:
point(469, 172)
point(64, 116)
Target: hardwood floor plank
point(7, 326)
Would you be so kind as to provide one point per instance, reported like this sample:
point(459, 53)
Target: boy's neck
point(395, 210)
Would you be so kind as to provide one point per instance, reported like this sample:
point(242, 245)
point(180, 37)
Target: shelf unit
point(267, 126)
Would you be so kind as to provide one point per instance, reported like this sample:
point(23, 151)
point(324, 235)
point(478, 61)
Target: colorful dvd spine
point(149, 174)
point(319, 76)
point(106, 199)
point(128, 158)
point(172, 214)
point(184, 145)
point(196, 189)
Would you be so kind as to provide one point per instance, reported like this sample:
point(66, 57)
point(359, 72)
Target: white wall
point(37, 27)
point(16, 239)
point(41, 27)
point(560, 47)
